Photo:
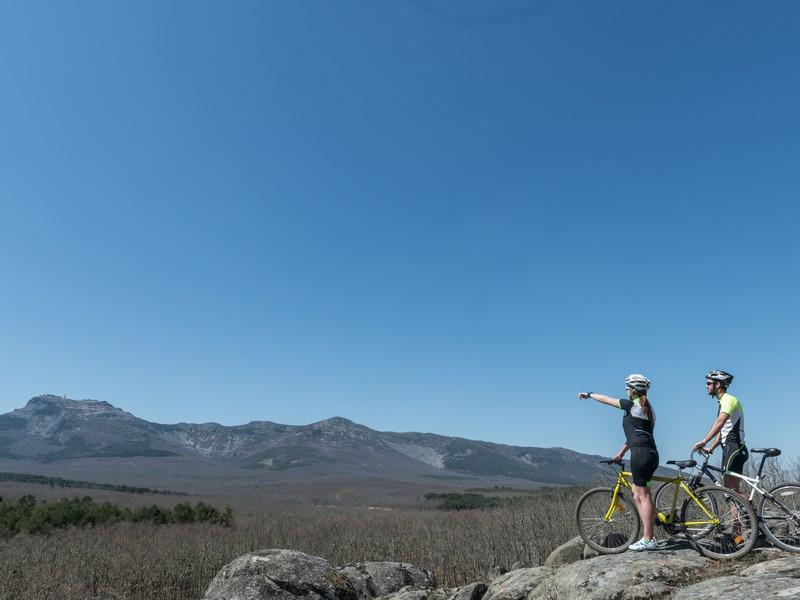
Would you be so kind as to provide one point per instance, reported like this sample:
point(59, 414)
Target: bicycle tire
point(782, 528)
point(607, 537)
point(736, 532)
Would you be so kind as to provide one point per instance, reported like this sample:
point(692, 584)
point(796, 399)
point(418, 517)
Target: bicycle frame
point(708, 471)
point(624, 480)
point(754, 482)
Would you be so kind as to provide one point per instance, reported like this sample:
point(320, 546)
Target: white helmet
point(637, 382)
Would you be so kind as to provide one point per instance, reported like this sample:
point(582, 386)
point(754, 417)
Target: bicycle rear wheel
point(779, 516)
point(605, 529)
point(667, 494)
point(720, 523)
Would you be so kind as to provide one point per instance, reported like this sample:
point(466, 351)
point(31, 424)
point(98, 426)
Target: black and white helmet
point(637, 382)
point(721, 376)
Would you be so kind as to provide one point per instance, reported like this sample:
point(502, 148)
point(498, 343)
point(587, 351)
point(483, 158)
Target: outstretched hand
point(583, 396)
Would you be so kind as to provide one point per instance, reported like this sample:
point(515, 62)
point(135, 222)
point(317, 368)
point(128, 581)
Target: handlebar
point(702, 452)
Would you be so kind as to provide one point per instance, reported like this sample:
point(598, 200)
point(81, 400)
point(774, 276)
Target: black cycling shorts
point(644, 462)
point(733, 457)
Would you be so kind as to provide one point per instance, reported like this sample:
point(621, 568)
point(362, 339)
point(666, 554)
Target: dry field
point(343, 524)
point(147, 562)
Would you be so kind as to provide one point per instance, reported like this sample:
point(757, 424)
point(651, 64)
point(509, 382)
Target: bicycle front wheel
point(721, 523)
point(779, 516)
point(606, 528)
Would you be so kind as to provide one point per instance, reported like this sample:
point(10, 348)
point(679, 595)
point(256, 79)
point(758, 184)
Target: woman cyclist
point(637, 423)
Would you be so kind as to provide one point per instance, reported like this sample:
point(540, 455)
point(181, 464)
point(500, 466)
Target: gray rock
point(361, 581)
point(780, 567)
point(589, 552)
point(742, 588)
point(279, 575)
point(407, 593)
point(646, 591)
point(373, 579)
point(567, 553)
point(497, 571)
point(767, 552)
point(611, 577)
point(473, 591)
point(516, 585)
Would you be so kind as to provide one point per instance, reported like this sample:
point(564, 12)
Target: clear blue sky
point(420, 215)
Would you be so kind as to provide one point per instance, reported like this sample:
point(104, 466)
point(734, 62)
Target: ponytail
point(645, 404)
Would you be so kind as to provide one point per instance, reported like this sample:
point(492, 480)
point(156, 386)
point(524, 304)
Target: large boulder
point(412, 594)
point(733, 587)
point(374, 579)
point(473, 591)
point(516, 585)
point(777, 578)
point(779, 567)
point(567, 553)
point(628, 575)
point(279, 575)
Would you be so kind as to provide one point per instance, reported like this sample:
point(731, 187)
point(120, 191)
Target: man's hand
point(583, 396)
point(701, 447)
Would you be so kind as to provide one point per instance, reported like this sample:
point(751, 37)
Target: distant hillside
point(60, 482)
point(51, 430)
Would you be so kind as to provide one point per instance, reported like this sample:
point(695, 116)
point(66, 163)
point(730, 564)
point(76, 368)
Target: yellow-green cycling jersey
point(732, 432)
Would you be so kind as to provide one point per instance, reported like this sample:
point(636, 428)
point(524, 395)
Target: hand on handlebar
point(700, 447)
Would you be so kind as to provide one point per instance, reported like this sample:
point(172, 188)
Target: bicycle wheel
point(663, 501)
point(720, 522)
point(607, 535)
point(779, 516)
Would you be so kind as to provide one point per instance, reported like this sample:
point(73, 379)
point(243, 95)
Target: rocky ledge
point(673, 572)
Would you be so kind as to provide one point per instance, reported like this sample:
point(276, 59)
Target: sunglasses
point(710, 382)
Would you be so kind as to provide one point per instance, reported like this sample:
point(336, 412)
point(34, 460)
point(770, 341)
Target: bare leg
point(644, 504)
point(733, 483)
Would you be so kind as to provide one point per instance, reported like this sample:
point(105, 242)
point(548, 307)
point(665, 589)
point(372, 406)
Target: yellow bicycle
point(715, 520)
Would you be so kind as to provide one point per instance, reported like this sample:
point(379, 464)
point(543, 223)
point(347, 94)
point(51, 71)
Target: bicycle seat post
point(766, 453)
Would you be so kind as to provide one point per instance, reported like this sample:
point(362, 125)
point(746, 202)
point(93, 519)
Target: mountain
point(67, 435)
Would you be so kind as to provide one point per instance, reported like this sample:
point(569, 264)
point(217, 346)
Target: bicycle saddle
point(684, 464)
point(767, 451)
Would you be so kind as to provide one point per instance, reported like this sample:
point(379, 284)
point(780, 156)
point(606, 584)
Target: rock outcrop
point(376, 579)
point(673, 572)
point(279, 575)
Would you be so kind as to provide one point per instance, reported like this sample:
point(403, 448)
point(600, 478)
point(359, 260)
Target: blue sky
point(420, 215)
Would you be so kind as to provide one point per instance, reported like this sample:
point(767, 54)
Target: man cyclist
point(728, 429)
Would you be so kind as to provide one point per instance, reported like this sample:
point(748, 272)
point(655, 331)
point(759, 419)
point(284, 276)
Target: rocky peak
point(335, 423)
point(44, 415)
point(51, 403)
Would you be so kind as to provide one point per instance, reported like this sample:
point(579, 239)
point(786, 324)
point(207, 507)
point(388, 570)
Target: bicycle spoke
point(720, 522)
point(779, 513)
point(608, 530)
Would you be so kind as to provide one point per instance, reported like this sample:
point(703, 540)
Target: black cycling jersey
point(638, 428)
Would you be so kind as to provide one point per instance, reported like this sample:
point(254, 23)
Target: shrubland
point(145, 561)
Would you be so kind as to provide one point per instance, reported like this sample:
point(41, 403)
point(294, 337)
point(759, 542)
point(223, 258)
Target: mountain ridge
point(55, 430)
